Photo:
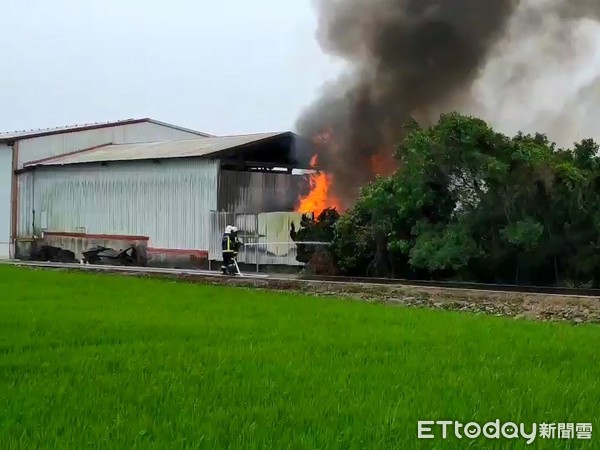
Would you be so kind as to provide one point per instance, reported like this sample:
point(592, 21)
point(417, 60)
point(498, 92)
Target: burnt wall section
point(257, 192)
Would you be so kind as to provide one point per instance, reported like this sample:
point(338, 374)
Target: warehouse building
point(147, 181)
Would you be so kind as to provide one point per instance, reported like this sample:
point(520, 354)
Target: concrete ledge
point(81, 242)
point(177, 258)
point(104, 237)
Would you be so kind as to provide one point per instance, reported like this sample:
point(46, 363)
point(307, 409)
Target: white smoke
point(544, 75)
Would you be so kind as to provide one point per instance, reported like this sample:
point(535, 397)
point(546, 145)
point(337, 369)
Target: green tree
point(319, 229)
point(468, 202)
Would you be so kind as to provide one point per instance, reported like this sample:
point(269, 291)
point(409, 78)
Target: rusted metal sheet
point(182, 148)
point(169, 202)
point(36, 148)
point(257, 192)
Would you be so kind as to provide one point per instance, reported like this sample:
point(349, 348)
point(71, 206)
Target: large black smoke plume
point(420, 58)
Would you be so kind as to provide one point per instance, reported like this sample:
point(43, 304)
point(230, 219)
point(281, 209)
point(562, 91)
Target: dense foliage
point(470, 203)
point(317, 258)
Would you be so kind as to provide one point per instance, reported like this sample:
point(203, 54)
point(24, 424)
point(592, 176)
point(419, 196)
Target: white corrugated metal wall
point(46, 146)
point(5, 194)
point(69, 141)
point(170, 201)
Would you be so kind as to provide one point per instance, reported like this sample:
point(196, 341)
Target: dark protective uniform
point(229, 247)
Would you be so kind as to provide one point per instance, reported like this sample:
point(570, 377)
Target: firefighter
point(227, 249)
point(230, 245)
point(235, 242)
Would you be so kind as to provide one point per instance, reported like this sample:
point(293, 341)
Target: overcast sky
point(220, 66)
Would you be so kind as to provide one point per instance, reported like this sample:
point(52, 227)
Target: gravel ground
point(577, 310)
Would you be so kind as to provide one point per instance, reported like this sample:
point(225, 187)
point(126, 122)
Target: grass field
point(99, 361)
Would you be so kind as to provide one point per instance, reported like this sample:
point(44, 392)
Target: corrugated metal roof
point(186, 148)
point(27, 134)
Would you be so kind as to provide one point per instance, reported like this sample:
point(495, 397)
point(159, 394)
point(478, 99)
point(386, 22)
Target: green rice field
point(90, 361)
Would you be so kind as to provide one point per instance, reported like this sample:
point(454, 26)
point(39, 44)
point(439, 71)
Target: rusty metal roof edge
point(54, 161)
point(41, 162)
point(24, 134)
point(177, 127)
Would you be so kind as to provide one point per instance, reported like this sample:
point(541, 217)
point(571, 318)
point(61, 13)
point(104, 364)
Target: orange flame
point(383, 163)
point(319, 198)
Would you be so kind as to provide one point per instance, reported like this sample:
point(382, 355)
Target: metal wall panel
point(256, 192)
point(247, 225)
point(26, 204)
point(58, 144)
point(276, 247)
point(169, 202)
point(268, 236)
point(5, 196)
